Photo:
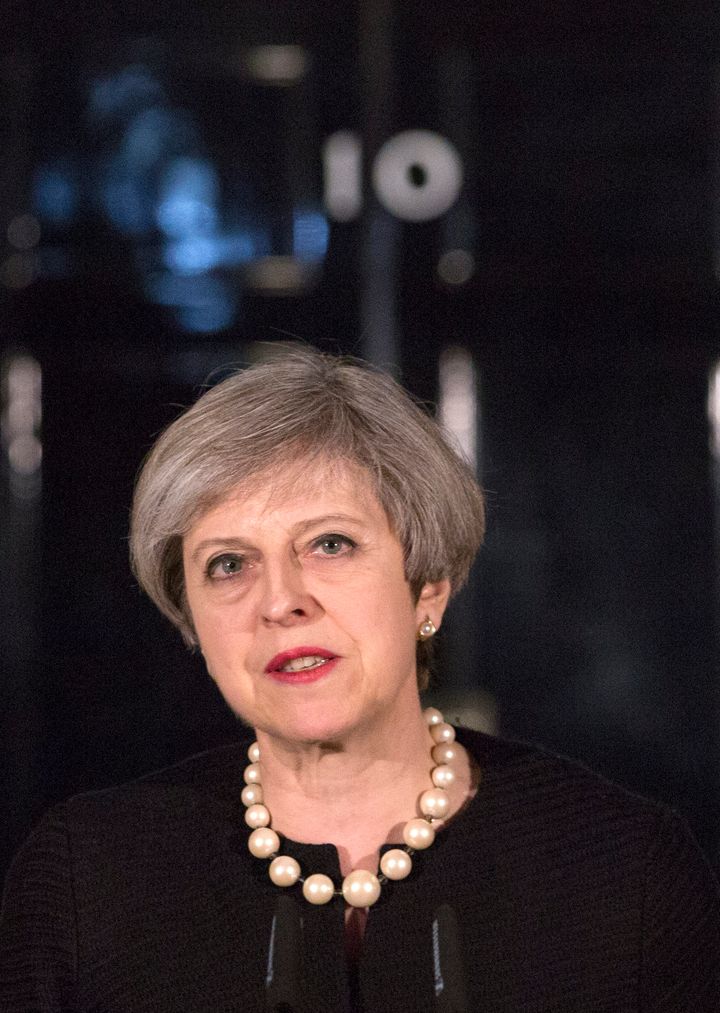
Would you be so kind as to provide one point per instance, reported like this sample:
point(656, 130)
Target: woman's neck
point(355, 793)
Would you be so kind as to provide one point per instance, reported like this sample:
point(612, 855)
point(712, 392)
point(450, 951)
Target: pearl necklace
point(360, 888)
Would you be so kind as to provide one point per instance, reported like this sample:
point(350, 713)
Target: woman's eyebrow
point(324, 519)
point(226, 543)
point(233, 542)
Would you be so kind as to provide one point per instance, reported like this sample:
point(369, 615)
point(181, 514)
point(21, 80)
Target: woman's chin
point(310, 726)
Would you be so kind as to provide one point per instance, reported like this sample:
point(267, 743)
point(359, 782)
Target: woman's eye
point(334, 545)
point(225, 566)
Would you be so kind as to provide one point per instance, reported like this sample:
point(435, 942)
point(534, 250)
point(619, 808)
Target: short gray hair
point(302, 403)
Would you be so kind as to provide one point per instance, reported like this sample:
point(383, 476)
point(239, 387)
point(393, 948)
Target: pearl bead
point(254, 753)
point(251, 794)
point(284, 871)
point(252, 773)
point(396, 864)
point(442, 732)
point(361, 888)
point(418, 834)
point(318, 888)
point(445, 752)
point(433, 716)
point(433, 802)
point(263, 842)
point(427, 630)
point(257, 816)
point(442, 776)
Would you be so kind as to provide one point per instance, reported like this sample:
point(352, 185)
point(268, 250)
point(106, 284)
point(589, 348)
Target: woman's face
point(299, 600)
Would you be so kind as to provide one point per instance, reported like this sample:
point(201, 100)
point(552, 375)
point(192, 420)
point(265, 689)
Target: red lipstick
point(304, 675)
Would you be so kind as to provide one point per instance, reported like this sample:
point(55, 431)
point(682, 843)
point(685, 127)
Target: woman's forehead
point(309, 478)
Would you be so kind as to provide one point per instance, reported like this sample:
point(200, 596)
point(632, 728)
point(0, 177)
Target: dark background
point(588, 140)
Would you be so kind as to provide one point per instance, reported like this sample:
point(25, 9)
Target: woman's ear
point(433, 600)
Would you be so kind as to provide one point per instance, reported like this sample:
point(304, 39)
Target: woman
point(305, 524)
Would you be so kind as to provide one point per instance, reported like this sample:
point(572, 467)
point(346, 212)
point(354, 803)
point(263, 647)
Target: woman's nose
point(285, 598)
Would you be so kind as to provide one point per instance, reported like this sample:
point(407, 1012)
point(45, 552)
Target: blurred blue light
point(202, 303)
point(55, 193)
point(188, 193)
point(310, 235)
point(236, 248)
point(197, 254)
point(214, 316)
point(156, 132)
point(132, 88)
point(167, 289)
point(182, 215)
point(126, 203)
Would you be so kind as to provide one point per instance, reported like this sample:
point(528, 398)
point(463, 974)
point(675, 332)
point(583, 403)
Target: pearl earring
point(426, 629)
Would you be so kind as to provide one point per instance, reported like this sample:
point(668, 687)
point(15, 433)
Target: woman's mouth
point(301, 665)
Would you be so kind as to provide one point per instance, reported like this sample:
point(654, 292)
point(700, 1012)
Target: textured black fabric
point(571, 895)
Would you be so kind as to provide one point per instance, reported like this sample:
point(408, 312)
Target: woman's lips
point(314, 672)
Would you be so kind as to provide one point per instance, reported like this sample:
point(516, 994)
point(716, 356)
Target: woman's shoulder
point(533, 801)
point(542, 780)
point(201, 786)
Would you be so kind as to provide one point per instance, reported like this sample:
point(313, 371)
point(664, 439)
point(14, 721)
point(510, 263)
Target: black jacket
point(570, 893)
